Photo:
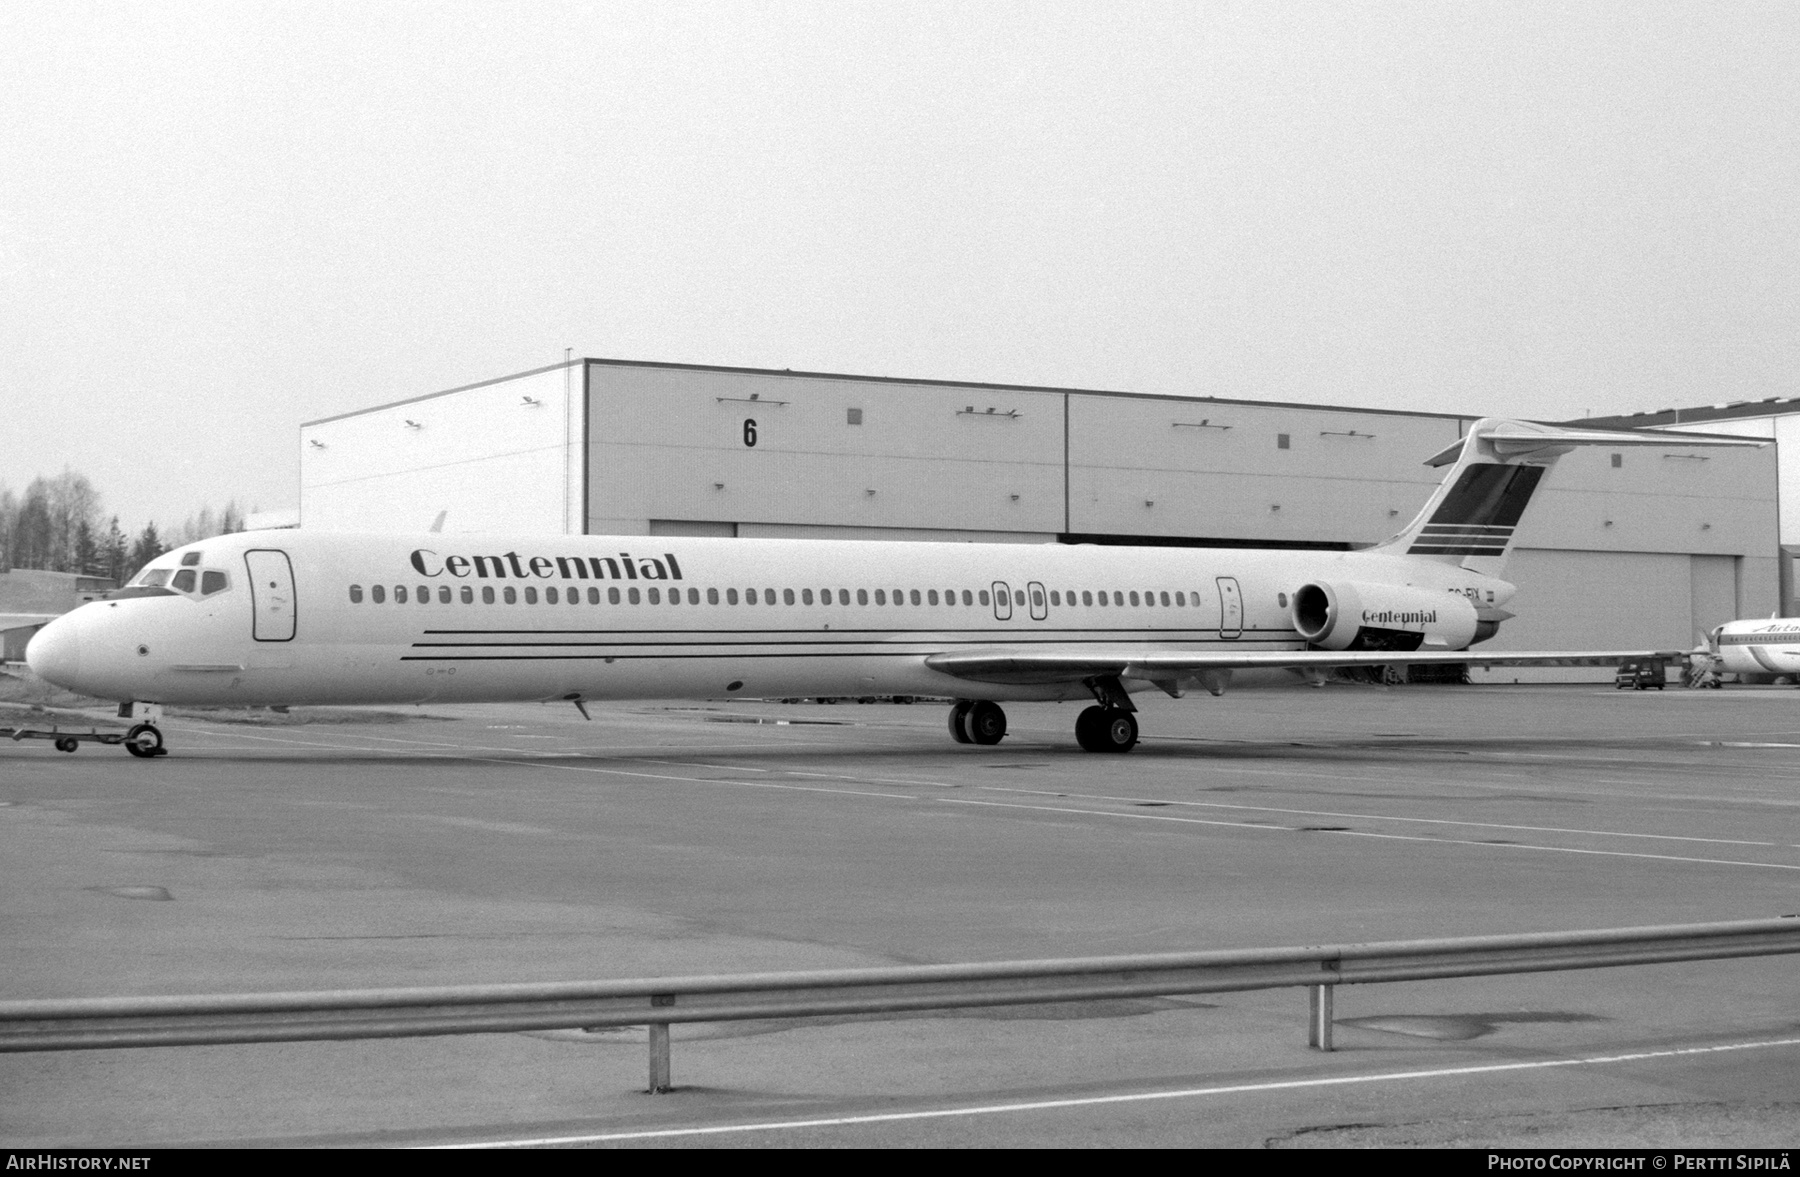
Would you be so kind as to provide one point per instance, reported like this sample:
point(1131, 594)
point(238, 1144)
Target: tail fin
point(1471, 517)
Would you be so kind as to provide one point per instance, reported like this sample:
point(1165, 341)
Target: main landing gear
point(1106, 729)
point(1108, 726)
point(977, 723)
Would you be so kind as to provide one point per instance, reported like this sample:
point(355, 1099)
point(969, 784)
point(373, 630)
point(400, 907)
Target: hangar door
point(1715, 591)
point(1585, 600)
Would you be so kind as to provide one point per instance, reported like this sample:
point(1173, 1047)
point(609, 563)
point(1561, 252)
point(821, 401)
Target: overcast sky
point(219, 221)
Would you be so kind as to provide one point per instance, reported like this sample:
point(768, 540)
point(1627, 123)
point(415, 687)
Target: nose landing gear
point(144, 740)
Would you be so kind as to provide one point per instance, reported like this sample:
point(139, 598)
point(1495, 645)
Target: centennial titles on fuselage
point(624, 566)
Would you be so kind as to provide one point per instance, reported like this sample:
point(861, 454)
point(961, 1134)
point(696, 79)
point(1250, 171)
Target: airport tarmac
point(449, 845)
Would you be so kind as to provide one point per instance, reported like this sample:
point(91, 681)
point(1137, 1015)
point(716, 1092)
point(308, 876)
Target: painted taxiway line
point(994, 1109)
point(1245, 825)
point(531, 760)
point(1431, 821)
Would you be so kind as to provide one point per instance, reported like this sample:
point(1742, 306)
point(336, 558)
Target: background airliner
point(296, 617)
point(1757, 648)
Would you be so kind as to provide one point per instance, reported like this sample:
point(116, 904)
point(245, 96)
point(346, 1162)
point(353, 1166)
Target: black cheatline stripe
point(1455, 529)
point(738, 657)
point(1154, 636)
point(954, 636)
point(1453, 550)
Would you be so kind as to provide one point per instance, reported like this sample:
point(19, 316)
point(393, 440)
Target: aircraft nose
point(54, 653)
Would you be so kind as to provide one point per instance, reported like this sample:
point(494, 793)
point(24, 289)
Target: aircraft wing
point(1015, 665)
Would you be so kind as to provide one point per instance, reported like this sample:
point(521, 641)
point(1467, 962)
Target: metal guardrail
point(113, 1023)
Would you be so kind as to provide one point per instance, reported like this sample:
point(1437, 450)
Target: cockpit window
point(190, 559)
point(184, 580)
point(155, 578)
point(212, 582)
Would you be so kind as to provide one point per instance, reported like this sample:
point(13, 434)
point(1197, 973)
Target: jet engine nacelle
point(1350, 616)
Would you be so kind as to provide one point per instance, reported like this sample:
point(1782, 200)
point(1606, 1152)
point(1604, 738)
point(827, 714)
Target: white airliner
point(1770, 646)
point(297, 617)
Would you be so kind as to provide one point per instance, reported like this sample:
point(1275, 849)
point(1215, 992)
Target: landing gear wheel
point(144, 741)
point(67, 745)
point(959, 719)
point(986, 723)
point(1106, 729)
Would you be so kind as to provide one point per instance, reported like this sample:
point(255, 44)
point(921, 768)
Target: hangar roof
point(1774, 406)
point(1217, 400)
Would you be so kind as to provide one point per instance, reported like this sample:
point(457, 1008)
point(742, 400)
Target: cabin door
point(271, 595)
point(1002, 601)
point(1040, 600)
point(1231, 608)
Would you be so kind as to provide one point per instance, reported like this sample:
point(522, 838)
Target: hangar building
point(1619, 550)
point(1775, 418)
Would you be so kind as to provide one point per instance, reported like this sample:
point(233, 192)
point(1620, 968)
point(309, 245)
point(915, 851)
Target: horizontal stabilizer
point(1512, 439)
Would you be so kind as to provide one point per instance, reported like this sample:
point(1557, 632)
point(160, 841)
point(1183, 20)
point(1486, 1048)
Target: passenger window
point(376, 592)
point(184, 580)
point(931, 597)
point(655, 596)
point(550, 596)
point(768, 596)
point(1087, 598)
point(531, 596)
point(881, 596)
point(468, 595)
point(190, 559)
point(806, 597)
point(862, 596)
point(731, 597)
point(1018, 596)
point(509, 594)
point(984, 596)
point(632, 596)
point(1134, 599)
point(712, 596)
point(593, 596)
point(212, 582)
point(749, 596)
point(968, 598)
point(487, 595)
point(1181, 600)
point(1165, 600)
point(443, 594)
point(612, 596)
point(1100, 599)
point(356, 594)
point(399, 594)
point(787, 596)
point(1037, 598)
point(915, 596)
point(424, 594)
point(1055, 597)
